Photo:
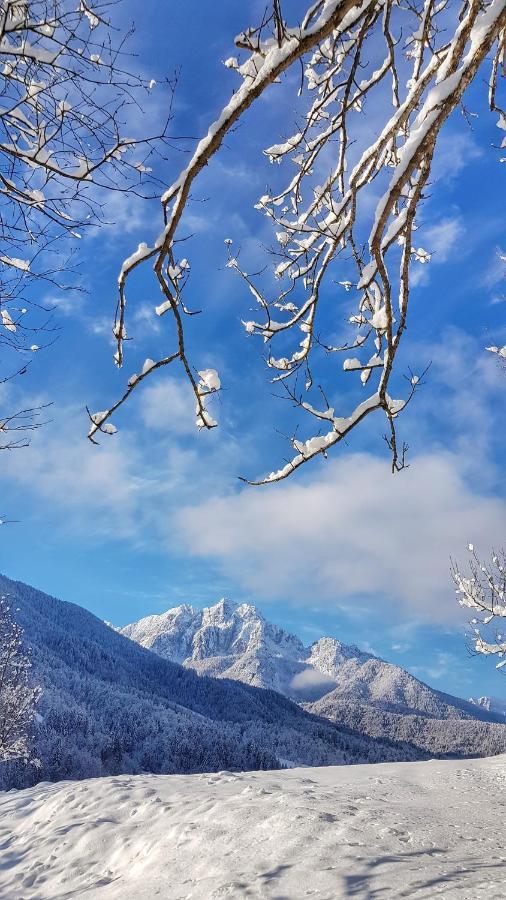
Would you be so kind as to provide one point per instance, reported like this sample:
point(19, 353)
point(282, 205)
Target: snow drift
point(403, 830)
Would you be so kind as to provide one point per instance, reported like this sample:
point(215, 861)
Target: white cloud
point(419, 275)
point(496, 269)
point(76, 304)
point(439, 239)
point(5, 390)
point(401, 648)
point(454, 151)
point(442, 237)
point(100, 326)
point(100, 490)
point(123, 213)
point(310, 678)
point(123, 488)
point(168, 405)
point(355, 531)
point(443, 665)
point(461, 405)
point(67, 303)
point(145, 321)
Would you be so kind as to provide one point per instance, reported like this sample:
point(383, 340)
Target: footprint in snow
point(401, 835)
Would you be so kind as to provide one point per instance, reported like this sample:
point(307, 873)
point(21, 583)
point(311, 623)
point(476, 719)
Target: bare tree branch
point(66, 97)
point(484, 591)
point(429, 54)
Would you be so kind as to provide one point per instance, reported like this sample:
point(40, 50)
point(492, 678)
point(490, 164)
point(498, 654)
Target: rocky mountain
point(491, 704)
point(235, 641)
point(110, 707)
point(339, 682)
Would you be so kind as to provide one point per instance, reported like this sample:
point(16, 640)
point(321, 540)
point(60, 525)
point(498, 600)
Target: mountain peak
point(235, 641)
point(230, 640)
point(223, 609)
point(227, 609)
point(247, 611)
point(490, 704)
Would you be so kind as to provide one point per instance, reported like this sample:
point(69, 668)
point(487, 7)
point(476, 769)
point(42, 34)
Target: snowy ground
point(378, 832)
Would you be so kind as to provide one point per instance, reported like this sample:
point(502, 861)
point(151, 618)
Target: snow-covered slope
point(404, 830)
point(235, 641)
point(437, 736)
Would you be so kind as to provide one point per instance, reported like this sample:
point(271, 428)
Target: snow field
point(394, 830)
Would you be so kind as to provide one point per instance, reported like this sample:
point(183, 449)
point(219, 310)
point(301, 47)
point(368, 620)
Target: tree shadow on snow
point(361, 885)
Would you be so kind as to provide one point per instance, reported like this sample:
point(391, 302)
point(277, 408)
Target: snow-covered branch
point(483, 590)
point(65, 96)
point(412, 63)
point(18, 697)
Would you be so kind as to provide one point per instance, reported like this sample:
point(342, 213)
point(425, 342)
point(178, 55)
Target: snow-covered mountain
point(491, 704)
point(109, 707)
point(235, 641)
point(333, 680)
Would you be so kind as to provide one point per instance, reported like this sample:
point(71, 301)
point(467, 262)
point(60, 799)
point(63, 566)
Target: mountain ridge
point(236, 641)
point(335, 681)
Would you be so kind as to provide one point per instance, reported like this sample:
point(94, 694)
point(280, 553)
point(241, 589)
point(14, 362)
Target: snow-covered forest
point(252, 343)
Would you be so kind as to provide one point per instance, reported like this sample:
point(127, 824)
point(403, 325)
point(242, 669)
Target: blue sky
point(155, 516)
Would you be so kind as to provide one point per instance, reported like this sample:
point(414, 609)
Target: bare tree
point(484, 590)
point(18, 696)
point(336, 242)
point(66, 118)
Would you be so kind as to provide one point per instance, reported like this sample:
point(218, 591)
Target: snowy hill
point(331, 679)
point(110, 706)
point(408, 830)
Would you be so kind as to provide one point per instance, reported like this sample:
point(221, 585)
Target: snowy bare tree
point(344, 218)
point(18, 697)
point(483, 590)
point(67, 100)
